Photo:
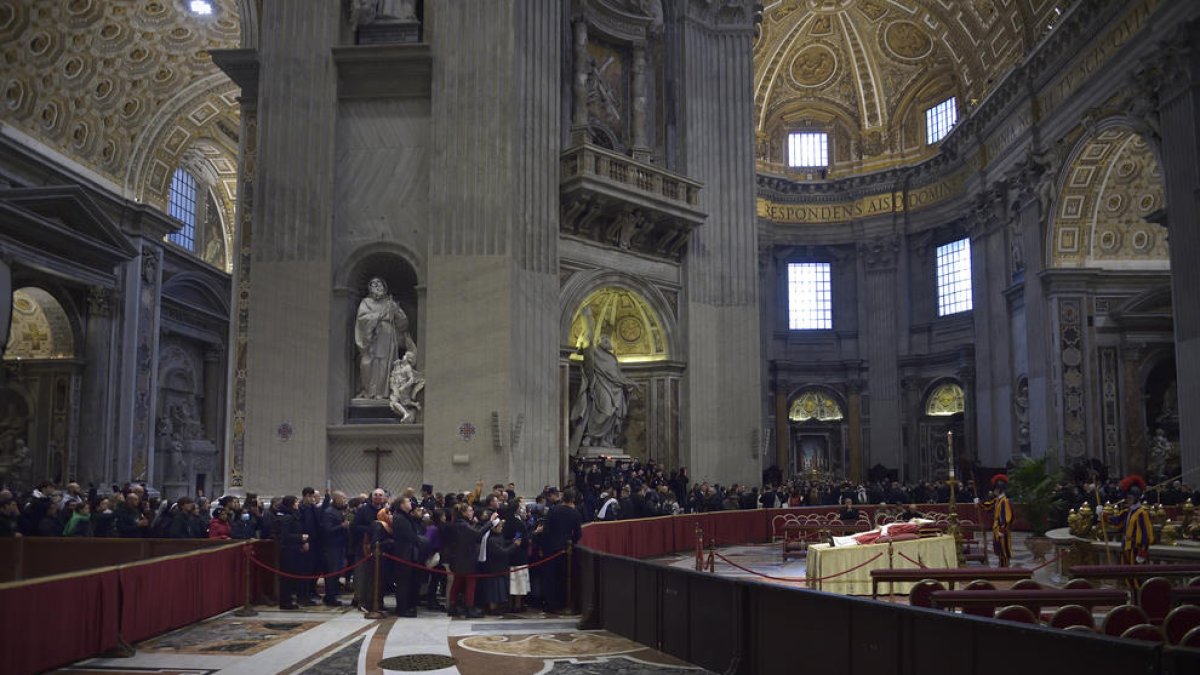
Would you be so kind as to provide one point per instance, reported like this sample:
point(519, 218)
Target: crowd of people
point(477, 550)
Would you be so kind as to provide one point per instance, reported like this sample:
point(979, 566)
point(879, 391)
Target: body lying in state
point(888, 530)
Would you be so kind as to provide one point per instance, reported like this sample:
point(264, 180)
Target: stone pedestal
point(389, 32)
point(370, 411)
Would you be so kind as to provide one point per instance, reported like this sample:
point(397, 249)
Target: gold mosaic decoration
point(815, 406)
point(630, 322)
point(946, 400)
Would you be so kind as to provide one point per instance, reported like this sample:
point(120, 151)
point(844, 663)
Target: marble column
point(640, 148)
point(782, 436)
point(878, 259)
point(98, 395)
point(854, 422)
point(142, 278)
point(1179, 109)
point(1133, 407)
point(287, 327)
point(492, 296)
point(1038, 337)
point(723, 384)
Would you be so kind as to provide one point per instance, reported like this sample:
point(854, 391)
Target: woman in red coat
point(218, 527)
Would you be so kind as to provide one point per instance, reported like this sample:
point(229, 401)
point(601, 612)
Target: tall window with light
point(809, 306)
point(182, 207)
point(939, 120)
point(954, 277)
point(808, 149)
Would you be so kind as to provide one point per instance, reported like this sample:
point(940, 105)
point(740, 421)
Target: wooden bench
point(1034, 599)
point(1189, 595)
point(1133, 571)
point(947, 574)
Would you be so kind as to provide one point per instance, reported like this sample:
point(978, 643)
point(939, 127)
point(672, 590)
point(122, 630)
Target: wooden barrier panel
point(80, 620)
point(33, 557)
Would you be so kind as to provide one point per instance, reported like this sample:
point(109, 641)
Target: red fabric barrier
point(161, 595)
point(82, 621)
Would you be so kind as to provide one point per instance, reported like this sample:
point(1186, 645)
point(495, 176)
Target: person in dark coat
point(463, 557)
point(562, 524)
point(407, 535)
point(379, 534)
point(494, 553)
point(309, 513)
point(360, 528)
point(335, 537)
point(293, 545)
point(517, 531)
point(185, 523)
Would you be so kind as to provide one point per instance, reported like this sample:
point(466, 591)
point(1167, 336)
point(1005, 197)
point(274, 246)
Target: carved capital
point(100, 301)
point(879, 254)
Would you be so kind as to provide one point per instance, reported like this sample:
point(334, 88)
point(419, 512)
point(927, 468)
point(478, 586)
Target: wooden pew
point(1034, 599)
point(1133, 571)
point(1189, 595)
point(947, 574)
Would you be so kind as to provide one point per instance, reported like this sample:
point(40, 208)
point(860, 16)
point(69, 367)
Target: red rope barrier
point(800, 579)
point(918, 563)
point(505, 573)
point(304, 577)
point(1047, 563)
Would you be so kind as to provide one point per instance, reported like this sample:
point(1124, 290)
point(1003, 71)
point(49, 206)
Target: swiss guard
point(1002, 517)
point(1135, 523)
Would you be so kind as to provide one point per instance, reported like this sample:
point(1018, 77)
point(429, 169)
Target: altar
point(825, 561)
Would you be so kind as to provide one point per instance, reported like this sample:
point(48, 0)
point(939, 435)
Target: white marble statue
point(1164, 458)
point(406, 383)
point(603, 401)
point(380, 330)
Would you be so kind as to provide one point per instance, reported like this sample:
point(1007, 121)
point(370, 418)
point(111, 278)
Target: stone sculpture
point(406, 383)
point(380, 330)
point(602, 404)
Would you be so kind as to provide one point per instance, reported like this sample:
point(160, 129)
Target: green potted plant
point(1033, 483)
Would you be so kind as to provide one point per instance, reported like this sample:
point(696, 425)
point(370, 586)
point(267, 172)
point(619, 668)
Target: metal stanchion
point(247, 608)
point(375, 612)
point(570, 573)
point(700, 547)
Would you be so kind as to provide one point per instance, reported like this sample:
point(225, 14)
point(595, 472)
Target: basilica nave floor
point(327, 641)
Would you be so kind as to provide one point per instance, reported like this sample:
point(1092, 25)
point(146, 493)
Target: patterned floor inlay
point(416, 662)
point(227, 635)
point(551, 645)
point(114, 670)
point(620, 665)
point(107, 670)
point(344, 660)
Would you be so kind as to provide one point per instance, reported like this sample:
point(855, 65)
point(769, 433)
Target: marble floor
point(767, 559)
point(332, 641)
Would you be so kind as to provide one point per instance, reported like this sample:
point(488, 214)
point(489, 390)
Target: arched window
point(945, 400)
point(815, 405)
point(182, 207)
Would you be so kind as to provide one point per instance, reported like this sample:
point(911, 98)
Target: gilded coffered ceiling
point(125, 88)
point(1112, 185)
point(867, 69)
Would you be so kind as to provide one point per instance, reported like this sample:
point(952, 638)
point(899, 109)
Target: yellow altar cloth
point(825, 560)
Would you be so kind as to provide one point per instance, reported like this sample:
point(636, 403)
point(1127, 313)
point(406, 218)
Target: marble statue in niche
point(12, 427)
point(384, 21)
point(602, 404)
point(406, 383)
point(15, 466)
point(1164, 456)
point(380, 332)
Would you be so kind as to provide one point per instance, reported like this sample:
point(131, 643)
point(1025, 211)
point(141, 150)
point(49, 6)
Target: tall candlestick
point(950, 451)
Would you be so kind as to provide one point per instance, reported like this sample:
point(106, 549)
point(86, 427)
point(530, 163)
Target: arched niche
point(946, 399)
point(40, 328)
point(634, 327)
point(1112, 185)
point(819, 435)
point(641, 324)
point(399, 268)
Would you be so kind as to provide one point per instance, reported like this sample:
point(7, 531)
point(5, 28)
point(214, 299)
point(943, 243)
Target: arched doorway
point(943, 410)
point(39, 400)
point(817, 425)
